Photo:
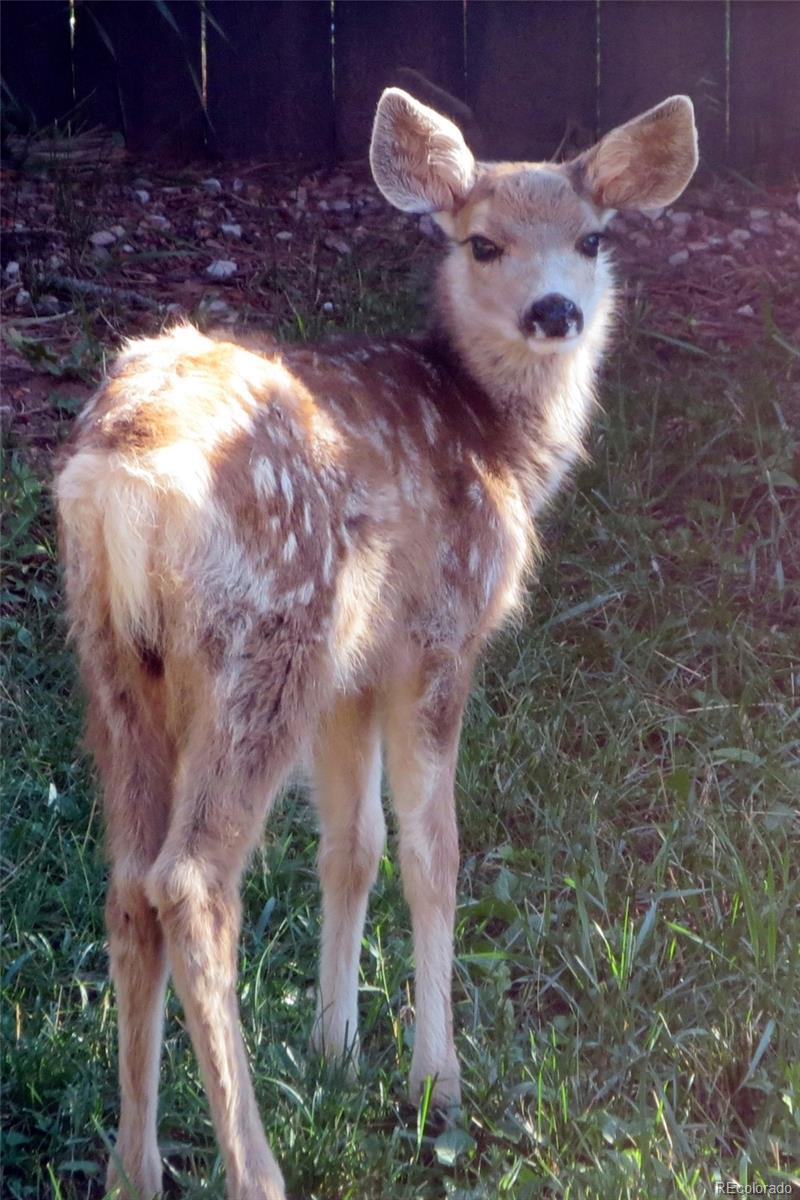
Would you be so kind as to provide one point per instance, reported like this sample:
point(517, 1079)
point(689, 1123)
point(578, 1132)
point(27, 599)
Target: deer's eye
point(590, 244)
point(483, 250)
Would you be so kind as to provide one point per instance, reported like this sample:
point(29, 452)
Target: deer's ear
point(419, 159)
point(645, 163)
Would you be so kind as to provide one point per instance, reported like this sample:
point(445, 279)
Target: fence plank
point(157, 72)
point(413, 44)
point(652, 49)
point(765, 63)
point(270, 90)
point(36, 65)
point(531, 75)
point(95, 67)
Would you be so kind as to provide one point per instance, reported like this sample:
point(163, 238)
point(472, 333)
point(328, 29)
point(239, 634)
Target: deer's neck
point(538, 406)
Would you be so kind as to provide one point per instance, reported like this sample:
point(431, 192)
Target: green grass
point(627, 982)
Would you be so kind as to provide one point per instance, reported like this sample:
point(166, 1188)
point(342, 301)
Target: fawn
point(272, 554)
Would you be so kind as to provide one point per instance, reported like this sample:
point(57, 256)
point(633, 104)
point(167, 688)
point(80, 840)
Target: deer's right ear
point(419, 159)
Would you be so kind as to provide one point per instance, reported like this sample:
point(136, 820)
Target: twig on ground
point(102, 291)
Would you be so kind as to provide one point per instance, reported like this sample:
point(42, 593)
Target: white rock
point(745, 311)
point(103, 237)
point(47, 306)
point(126, 248)
point(327, 306)
point(159, 222)
point(55, 262)
point(338, 244)
point(679, 218)
point(758, 214)
point(22, 300)
point(222, 268)
point(11, 272)
point(231, 230)
point(142, 195)
point(213, 186)
point(696, 246)
point(341, 206)
point(739, 235)
point(285, 235)
point(238, 185)
point(118, 231)
point(680, 256)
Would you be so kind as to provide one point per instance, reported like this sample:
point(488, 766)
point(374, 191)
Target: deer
point(284, 553)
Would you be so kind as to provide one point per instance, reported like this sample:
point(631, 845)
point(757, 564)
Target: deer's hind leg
point(423, 729)
point(134, 761)
point(347, 791)
point(250, 717)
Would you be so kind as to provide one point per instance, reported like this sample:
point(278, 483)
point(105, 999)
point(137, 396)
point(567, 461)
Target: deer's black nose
point(553, 316)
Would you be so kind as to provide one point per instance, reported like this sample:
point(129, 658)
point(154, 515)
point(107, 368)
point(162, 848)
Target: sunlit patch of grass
point(627, 977)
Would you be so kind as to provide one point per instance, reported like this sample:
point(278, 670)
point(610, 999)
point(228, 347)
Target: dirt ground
point(93, 253)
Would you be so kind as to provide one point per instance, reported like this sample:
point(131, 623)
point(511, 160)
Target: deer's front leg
point(423, 730)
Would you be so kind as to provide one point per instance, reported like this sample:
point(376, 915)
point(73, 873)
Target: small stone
point(126, 248)
point(22, 300)
point(55, 262)
point(327, 306)
point(695, 246)
point(101, 255)
point(118, 231)
point(737, 237)
point(341, 206)
point(142, 195)
point(48, 306)
point(285, 235)
point(761, 226)
point(231, 230)
point(11, 273)
point(170, 191)
point(212, 186)
point(680, 256)
point(323, 206)
point(338, 244)
point(237, 185)
point(157, 221)
point(758, 214)
point(745, 311)
point(219, 310)
point(679, 218)
point(222, 268)
point(103, 237)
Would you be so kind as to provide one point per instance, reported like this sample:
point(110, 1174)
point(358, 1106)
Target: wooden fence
point(297, 80)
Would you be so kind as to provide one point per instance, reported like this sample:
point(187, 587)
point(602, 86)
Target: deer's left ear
point(419, 158)
point(645, 163)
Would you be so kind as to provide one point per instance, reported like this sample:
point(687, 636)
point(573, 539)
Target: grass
point(627, 982)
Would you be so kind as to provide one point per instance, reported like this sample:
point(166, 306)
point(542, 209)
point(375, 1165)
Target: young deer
point(301, 550)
